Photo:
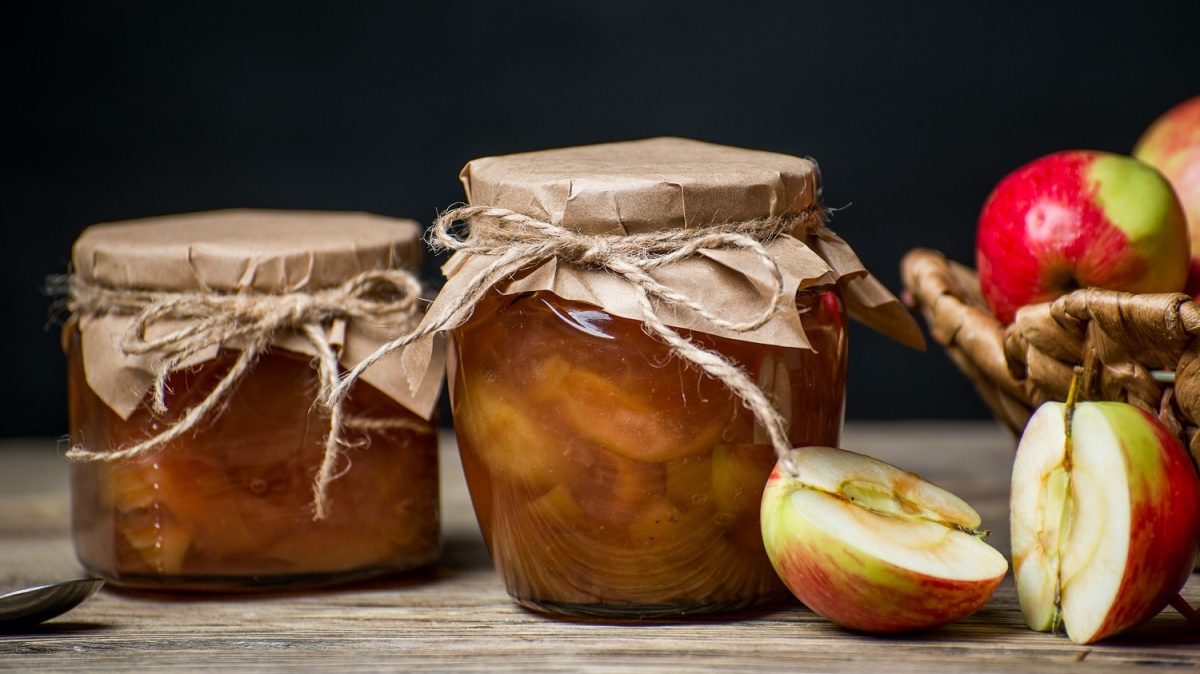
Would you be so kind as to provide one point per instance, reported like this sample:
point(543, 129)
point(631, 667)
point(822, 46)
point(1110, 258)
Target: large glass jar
point(229, 505)
point(612, 479)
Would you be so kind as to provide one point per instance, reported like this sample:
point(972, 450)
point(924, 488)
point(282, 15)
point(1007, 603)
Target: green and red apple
point(872, 547)
point(1079, 219)
point(1172, 145)
point(1105, 513)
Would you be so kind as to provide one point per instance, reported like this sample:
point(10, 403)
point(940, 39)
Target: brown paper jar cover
point(229, 505)
point(610, 479)
point(264, 251)
point(644, 185)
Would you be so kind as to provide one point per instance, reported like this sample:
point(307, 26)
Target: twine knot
point(516, 242)
point(251, 321)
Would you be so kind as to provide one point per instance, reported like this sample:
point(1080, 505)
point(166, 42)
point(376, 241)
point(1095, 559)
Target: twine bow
point(250, 320)
point(518, 242)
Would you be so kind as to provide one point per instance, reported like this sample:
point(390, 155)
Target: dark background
point(914, 110)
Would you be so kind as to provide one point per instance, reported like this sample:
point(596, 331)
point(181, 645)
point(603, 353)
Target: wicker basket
point(1139, 349)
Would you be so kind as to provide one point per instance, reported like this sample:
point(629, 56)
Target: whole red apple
point(1077, 219)
point(1172, 145)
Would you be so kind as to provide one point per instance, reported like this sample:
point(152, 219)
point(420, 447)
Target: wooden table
point(459, 617)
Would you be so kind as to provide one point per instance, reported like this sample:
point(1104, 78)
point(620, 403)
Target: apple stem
point(1072, 399)
point(1073, 391)
point(1177, 602)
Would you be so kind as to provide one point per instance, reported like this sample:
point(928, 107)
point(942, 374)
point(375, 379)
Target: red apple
point(1172, 145)
point(1076, 219)
point(1105, 513)
point(872, 547)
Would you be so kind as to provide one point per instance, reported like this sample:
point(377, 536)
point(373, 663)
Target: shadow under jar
point(228, 505)
point(612, 479)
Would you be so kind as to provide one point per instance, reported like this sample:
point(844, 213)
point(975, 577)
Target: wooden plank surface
point(457, 616)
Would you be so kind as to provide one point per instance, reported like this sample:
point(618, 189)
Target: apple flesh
point(1079, 219)
point(872, 547)
point(1172, 145)
point(1105, 513)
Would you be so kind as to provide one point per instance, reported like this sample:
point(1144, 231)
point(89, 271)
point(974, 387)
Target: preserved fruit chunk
point(152, 531)
point(739, 475)
point(615, 417)
point(517, 447)
point(689, 480)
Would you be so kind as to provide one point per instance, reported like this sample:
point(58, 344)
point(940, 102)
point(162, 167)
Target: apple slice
point(635, 424)
point(512, 442)
point(739, 473)
point(1105, 513)
point(872, 547)
point(146, 524)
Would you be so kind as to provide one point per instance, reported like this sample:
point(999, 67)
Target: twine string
point(251, 320)
point(517, 242)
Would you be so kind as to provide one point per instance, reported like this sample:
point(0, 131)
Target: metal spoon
point(32, 605)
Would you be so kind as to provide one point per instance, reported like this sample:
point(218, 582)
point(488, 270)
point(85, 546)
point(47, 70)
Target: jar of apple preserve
point(199, 348)
point(613, 468)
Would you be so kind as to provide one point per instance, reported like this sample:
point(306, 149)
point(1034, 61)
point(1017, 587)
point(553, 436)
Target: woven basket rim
point(1135, 348)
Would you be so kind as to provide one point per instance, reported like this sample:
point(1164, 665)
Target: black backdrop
point(119, 110)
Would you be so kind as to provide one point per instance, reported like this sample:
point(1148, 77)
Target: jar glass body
point(611, 479)
point(229, 506)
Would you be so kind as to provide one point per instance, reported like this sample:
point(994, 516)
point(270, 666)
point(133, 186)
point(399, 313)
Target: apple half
point(1104, 514)
point(872, 547)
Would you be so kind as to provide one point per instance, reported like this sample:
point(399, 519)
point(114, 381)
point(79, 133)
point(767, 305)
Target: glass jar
point(229, 505)
point(611, 479)
point(610, 476)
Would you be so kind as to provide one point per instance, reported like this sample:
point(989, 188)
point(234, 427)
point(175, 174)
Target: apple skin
point(1172, 145)
point(1076, 219)
point(854, 590)
point(1164, 495)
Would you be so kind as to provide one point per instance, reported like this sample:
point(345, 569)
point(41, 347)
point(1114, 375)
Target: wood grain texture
point(457, 616)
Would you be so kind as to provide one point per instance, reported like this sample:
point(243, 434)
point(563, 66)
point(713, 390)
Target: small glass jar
point(611, 479)
point(229, 505)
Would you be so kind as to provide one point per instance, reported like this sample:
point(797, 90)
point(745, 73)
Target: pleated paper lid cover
point(240, 251)
point(644, 185)
point(660, 183)
point(244, 249)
